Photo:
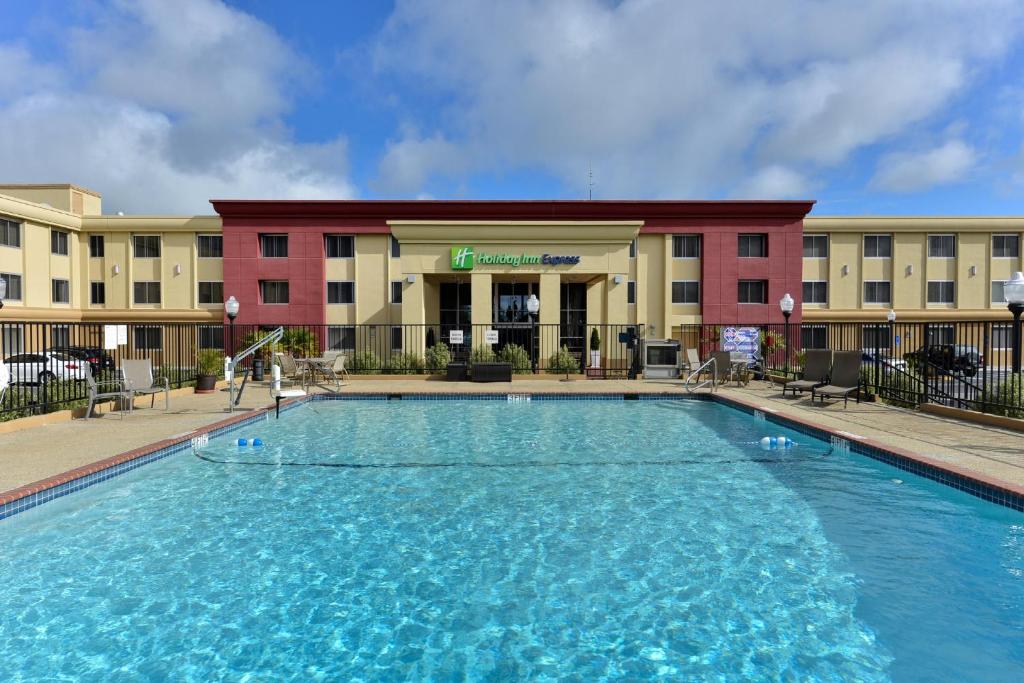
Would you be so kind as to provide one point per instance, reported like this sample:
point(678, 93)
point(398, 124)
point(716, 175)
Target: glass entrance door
point(510, 302)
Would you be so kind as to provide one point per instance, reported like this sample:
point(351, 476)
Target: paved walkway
point(33, 454)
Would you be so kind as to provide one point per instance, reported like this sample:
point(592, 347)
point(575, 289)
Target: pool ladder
point(710, 383)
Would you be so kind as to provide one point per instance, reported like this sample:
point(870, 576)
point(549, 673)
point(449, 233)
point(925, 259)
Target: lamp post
point(786, 304)
point(231, 309)
point(3, 291)
point(533, 308)
point(1013, 292)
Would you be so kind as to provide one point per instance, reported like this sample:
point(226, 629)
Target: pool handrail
point(709, 363)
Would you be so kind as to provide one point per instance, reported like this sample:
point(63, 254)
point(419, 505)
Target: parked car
point(868, 360)
point(37, 368)
point(953, 359)
point(98, 359)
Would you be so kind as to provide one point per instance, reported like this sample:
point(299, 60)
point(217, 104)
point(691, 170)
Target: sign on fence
point(491, 336)
point(114, 336)
point(740, 340)
point(455, 337)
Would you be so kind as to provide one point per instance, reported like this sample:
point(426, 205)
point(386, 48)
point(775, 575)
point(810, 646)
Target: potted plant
point(208, 366)
point(595, 349)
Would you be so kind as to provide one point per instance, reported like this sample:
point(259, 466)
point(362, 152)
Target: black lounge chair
point(816, 368)
point(845, 378)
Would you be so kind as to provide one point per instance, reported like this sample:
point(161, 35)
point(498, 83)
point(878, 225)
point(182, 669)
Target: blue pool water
point(479, 540)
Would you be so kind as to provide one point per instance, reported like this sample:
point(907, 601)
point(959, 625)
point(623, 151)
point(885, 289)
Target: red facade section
point(306, 223)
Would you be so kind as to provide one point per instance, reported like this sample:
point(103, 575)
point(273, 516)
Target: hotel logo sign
point(465, 257)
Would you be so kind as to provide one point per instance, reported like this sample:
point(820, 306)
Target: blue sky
point(869, 107)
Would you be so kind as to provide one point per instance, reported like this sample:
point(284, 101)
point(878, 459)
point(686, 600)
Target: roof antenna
point(590, 181)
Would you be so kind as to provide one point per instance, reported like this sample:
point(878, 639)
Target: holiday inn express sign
point(464, 258)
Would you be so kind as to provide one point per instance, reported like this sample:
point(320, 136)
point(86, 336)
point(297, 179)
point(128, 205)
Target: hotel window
point(96, 246)
point(685, 246)
point(815, 246)
point(686, 292)
point(274, 291)
point(60, 335)
point(211, 292)
point(941, 334)
point(341, 292)
point(274, 246)
point(753, 246)
point(396, 337)
point(1002, 336)
point(631, 292)
point(211, 337)
point(60, 291)
point(341, 338)
point(877, 246)
point(632, 248)
point(877, 292)
point(210, 246)
point(149, 337)
point(753, 292)
point(10, 233)
point(876, 337)
point(396, 292)
point(813, 337)
point(339, 246)
point(58, 242)
point(997, 292)
point(941, 291)
point(97, 293)
point(13, 286)
point(1005, 246)
point(815, 292)
point(396, 248)
point(147, 246)
point(941, 246)
point(12, 341)
point(147, 292)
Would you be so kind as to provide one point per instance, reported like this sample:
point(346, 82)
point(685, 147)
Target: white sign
point(122, 335)
point(455, 337)
point(491, 337)
point(110, 337)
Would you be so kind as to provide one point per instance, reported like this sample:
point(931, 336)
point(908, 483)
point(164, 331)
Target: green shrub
point(517, 356)
point(595, 340)
point(562, 361)
point(210, 362)
point(405, 363)
point(482, 354)
point(299, 342)
point(365, 363)
point(1007, 394)
point(896, 387)
point(438, 357)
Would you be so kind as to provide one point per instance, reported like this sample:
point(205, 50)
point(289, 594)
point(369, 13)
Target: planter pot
point(595, 359)
point(206, 384)
point(257, 370)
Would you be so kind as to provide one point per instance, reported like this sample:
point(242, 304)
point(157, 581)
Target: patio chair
point(691, 361)
point(723, 366)
point(5, 380)
point(111, 388)
point(816, 368)
point(845, 378)
point(288, 367)
point(138, 379)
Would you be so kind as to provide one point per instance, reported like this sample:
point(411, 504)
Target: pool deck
point(42, 454)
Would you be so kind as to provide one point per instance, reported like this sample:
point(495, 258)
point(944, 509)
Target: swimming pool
point(388, 540)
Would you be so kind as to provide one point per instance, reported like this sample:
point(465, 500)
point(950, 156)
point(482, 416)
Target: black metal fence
point(962, 364)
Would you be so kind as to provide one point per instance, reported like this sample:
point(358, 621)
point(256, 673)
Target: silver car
point(45, 366)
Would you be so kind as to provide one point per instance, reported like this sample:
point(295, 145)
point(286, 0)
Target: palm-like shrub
point(438, 357)
point(517, 356)
point(563, 361)
point(482, 354)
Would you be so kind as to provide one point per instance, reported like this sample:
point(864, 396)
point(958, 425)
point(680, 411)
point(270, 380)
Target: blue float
point(770, 442)
point(243, 442)
point(257, 442)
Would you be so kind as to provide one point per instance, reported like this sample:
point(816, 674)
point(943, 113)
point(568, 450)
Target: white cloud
point(775, 182)
point(672, 99)
point(913, 171)
point(171, 104)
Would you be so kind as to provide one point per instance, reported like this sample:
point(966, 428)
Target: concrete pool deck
point(39, 453)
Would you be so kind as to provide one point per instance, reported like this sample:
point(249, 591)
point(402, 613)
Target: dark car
point(952, 359)
point(98, 359)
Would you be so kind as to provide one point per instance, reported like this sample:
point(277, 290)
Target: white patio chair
point(111, 388)
point(138, 379)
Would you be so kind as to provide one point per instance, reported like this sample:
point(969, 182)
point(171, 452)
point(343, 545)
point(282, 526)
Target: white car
point(36, 368)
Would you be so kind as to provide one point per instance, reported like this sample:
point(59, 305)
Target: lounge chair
point(845, 378)
point(692, 361)
point(288, 367)
point(111, 388)
point(816, 368)
point(138, 379)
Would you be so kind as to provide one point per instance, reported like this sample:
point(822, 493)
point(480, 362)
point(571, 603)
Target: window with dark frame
point(211, 292)
point(941, 246)
point(1005, 246)
point(753, 292)
point(341, 338)
point(396, 292)
point(147, 292)
point(877, 246)
point(876, 337)
point(632, 248)
point(813, 337)
point(60, 291)
point(339, 246)
point(753, 246)
point(396, 337)
point(211, 337)
point(146, 246)
point(815, 246)
point(877, 292)
point(210, 246)
point(10, 233)
point(149, 338)
point(941, 291)
point(686, 292)
point(1002, 336)
point(341, 292)
point(60, 335)
point(631, 292)
point(274, 246)
point(997, 292)
point(685, 246)
point(96, 246)
point(274, 291)
point(396, 248)
point(815, 292)
point(13, 281)
point(97, 293)
point(941, 334)
point(58, 242)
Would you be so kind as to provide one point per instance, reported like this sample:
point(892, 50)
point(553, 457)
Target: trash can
point(457, 372)
point(257, 369)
